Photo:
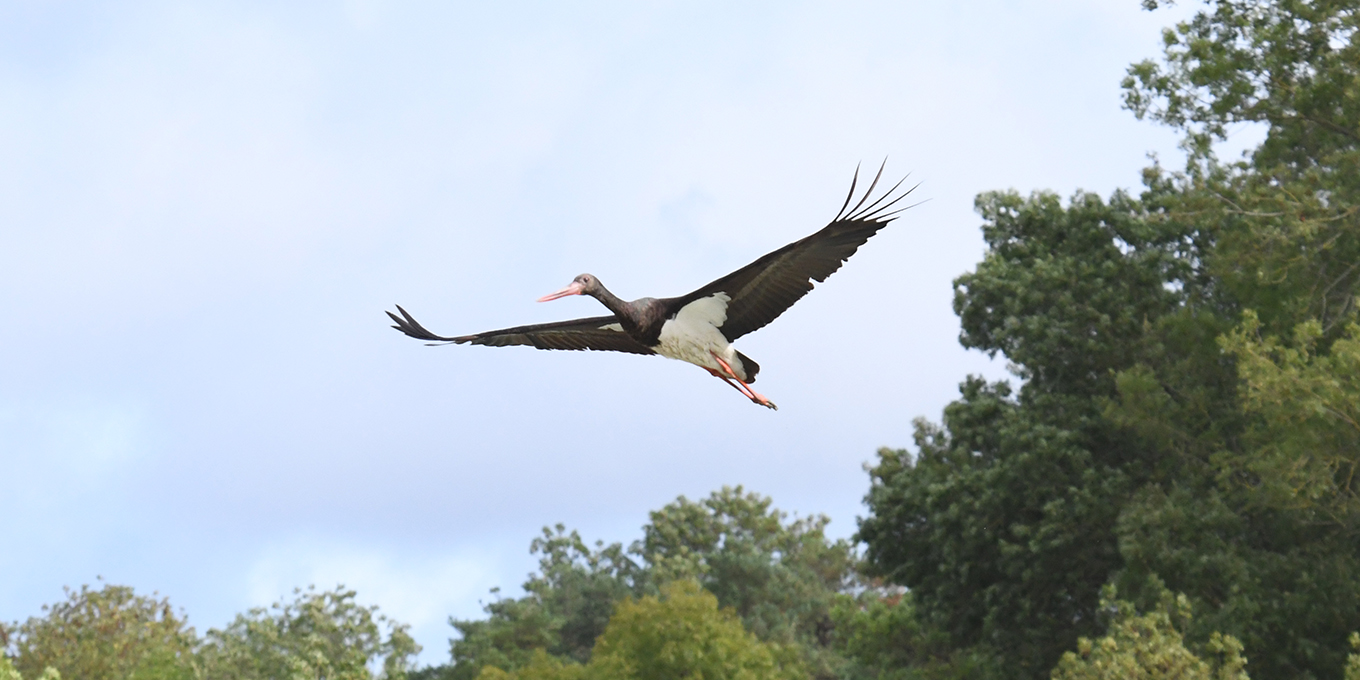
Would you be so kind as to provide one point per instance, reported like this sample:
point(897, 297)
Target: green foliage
point(683, 634)
point(581, 586)
point(1164, 431)
point(8, 672)
point(316, 635)
point(1003, 523)
point(568, 603)
point(885, 637)
point(439, 672)
point(1259, 527)
point(110, 633)
point(1005, 547)
point(1130, 451)
point(1226, 516)
point(781, 577)
point(507, 639)
point(1063, 292)
point(1353, 661)
point(1306, 440)
point(1150, 647)
point(1288, 64)
point(1285, 226)
point(541, 666)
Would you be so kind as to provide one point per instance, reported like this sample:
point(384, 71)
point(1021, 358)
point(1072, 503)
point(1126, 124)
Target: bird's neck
point(612, 301)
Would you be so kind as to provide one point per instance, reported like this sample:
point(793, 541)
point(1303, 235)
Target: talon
point(762, 400)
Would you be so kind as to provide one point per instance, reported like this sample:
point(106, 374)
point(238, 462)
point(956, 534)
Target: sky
point(206, 207)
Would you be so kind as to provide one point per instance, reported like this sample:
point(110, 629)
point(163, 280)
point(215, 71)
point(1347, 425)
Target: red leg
point(728, 381)
point(739, 384)
point(731, 377)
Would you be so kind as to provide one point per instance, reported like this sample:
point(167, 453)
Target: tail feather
point(749, 366)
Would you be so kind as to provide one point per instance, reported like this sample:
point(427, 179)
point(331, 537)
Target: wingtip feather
point(853, 181)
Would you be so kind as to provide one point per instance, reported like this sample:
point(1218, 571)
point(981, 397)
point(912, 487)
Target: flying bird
point(700, 327)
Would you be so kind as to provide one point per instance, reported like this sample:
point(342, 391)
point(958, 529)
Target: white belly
point(693, 336)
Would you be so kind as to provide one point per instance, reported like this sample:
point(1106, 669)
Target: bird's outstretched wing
point(762, 290)
point(598, 333)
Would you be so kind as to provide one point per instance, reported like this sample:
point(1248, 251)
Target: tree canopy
point(109, 633)
point(781, 577)
point(319, 634)
point(1150, 647)
point(114, 633)
point(1186, 414)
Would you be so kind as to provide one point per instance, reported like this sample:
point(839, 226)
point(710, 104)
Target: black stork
point(701, 326)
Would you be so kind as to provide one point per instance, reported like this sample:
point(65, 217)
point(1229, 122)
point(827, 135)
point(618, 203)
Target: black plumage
point(578, 334)
point(758, 293)
point(764, 289)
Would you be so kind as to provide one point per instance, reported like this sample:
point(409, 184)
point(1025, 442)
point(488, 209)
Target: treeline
point(1171, 489)
point(112, 633)
point(725, 587)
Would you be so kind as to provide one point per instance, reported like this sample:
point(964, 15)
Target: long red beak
point(573, 289)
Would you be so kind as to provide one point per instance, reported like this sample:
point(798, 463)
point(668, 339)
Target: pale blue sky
point(206, 207)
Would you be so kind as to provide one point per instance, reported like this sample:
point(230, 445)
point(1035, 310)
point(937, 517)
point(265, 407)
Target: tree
point(1149, 647)
point(581, 586)
point(1284, 222)
point(1189, 380)
point(317, 635)
point(8, 672)
point(1003, 523)
point(882, 634)
point(781, 577)
point(1305, 438)
point(110, 633)
point(1270, 550)
point(683, 634)
point(541, 666)
point(679, 635)
point(567, 604)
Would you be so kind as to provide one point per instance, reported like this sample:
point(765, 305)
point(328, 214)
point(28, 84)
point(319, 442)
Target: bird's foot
point(762, 400)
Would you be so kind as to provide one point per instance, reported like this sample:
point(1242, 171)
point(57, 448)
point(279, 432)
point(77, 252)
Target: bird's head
point(584, 284)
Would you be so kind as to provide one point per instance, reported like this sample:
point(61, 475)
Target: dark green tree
point(1270, 550)
point(1187, 409)
point(1003, 523)
point(780, 576)
point(883, 637)
point(567, 605)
